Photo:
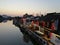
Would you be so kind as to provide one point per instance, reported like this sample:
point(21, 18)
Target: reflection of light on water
point(11, 35)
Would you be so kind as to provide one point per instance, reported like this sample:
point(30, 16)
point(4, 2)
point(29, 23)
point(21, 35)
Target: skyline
point(20, 7)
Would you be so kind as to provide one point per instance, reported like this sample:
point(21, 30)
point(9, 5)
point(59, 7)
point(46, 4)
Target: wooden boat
point(39, 36)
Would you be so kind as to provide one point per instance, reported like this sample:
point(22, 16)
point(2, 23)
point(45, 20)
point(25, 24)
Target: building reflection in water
point(26, 37)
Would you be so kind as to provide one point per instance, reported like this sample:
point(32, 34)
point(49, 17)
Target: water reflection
point(11, 35)
point(26, 37)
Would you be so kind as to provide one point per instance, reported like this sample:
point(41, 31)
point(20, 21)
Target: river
point(11, 35)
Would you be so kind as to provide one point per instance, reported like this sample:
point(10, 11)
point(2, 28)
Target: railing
point(47, 29)
point(50, 31)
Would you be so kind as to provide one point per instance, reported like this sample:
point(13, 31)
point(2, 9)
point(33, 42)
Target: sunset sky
point(20, 7)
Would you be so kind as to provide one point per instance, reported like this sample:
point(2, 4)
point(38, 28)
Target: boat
point(38, 36)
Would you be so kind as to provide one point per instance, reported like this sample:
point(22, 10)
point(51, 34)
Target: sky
point(20, 7)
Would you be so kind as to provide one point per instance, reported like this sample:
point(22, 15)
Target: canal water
point(11, 35)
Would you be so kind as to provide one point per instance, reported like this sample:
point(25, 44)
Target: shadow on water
point(26, 36)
